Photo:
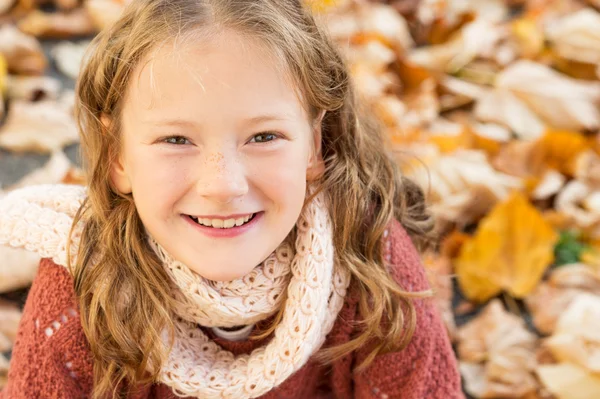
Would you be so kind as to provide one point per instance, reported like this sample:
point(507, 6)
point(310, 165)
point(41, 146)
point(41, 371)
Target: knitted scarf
point(38, 218)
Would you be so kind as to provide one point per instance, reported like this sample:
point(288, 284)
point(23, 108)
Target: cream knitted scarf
point(39, 218)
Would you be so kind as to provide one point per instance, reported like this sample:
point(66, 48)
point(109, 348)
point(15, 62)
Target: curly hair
point(360, 175)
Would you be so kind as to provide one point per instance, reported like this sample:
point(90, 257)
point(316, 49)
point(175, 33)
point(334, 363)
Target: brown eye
point(263, 137)
point(177, 140)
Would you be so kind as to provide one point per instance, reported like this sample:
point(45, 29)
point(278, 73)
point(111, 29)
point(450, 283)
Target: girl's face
point(216, 151)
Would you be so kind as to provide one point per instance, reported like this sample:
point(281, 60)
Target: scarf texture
point(303, 278)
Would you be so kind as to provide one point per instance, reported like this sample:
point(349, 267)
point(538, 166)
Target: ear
point(118, 175)
point(316, 167)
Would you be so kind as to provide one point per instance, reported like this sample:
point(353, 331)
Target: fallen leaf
point(505, 108)
point(18, 268)
point(551, 298)
point(53, 172)
point(23, 52)
point(69, 57)
point(439, 273)
point(576, 36)
point(43, 126)
point(576, 338)
point(3, 371)
point(473, 39)
point(362, 22)
point(104, 12)
point(58, 25)
point(10, 315)
point(32, 88)
point(6, 5)
point(568, 381)
point(562, 102)
point(587, 168)
point(559, 150)
point(497, 354)
point(511, 249)
point(549, 185)
point(573, 202)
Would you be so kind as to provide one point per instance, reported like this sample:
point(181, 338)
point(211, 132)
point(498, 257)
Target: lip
point(236, 216)
point(225, 233)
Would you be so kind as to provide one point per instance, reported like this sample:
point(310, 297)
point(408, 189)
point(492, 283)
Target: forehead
point(221, 76)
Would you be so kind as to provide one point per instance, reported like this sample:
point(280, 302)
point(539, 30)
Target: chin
point(223, 275)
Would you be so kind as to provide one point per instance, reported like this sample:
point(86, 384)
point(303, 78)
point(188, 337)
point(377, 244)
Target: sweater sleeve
point(50, 358)
point(427, 367)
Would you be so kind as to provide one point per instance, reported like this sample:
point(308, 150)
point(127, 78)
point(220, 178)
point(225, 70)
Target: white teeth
point(222, 224)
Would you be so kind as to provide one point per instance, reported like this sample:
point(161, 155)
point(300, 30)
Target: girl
point(239, 235)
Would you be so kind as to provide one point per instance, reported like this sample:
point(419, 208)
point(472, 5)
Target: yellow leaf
point(319, 6)
point(529, 35)
point(3, 73)
point(511, 249)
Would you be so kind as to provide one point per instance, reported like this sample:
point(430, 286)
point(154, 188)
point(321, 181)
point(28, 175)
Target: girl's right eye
point(176, 140)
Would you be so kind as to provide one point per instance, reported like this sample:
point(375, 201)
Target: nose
point(222, 177)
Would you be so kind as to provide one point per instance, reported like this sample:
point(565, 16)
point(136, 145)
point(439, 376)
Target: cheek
point(158, 182)
point(281, 178)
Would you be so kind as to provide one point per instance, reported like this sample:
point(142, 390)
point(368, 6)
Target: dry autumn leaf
point(562, 102)
point(69, 57)
point(23, 52)
point(576, 36)
point(18, 268)
point(576, 338)
point(58, 25)
point(511, 249)
point(3, 370)
point(32, 88)
point(10, 315)
point(43, 126)
point(496, 355)
point(551, 298)
point(568, 381)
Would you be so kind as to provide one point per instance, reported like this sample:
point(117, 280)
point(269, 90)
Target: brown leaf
point(550, 299)
point(10, 315)
point(23, 52)
point(497, 354)
point(59, 25)
point(104, 12)
point(32, 88)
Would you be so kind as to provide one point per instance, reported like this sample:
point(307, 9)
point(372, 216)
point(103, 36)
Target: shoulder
point(404, 261)
point(427, 367)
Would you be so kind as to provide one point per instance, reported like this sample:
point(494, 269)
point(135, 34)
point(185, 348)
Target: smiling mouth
point(222, 223)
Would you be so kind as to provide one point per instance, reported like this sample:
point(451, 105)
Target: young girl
point(243, 234)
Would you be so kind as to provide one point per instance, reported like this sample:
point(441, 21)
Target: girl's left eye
point(177, 140)
point(263, 137)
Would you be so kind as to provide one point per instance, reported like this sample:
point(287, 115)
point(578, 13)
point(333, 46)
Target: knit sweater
point(52, 359)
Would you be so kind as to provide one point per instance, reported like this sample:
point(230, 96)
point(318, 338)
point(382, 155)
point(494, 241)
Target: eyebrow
point(255, 120)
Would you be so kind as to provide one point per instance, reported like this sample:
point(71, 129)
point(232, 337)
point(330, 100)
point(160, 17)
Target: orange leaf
point(511, 249)
point(559, 149)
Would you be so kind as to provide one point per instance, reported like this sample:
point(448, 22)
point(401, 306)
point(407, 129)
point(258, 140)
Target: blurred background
point(492, 106)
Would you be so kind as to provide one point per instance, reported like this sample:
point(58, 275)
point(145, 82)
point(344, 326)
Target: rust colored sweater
point(52, 359)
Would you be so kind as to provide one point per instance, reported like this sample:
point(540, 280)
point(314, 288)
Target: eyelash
point(274, 135)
